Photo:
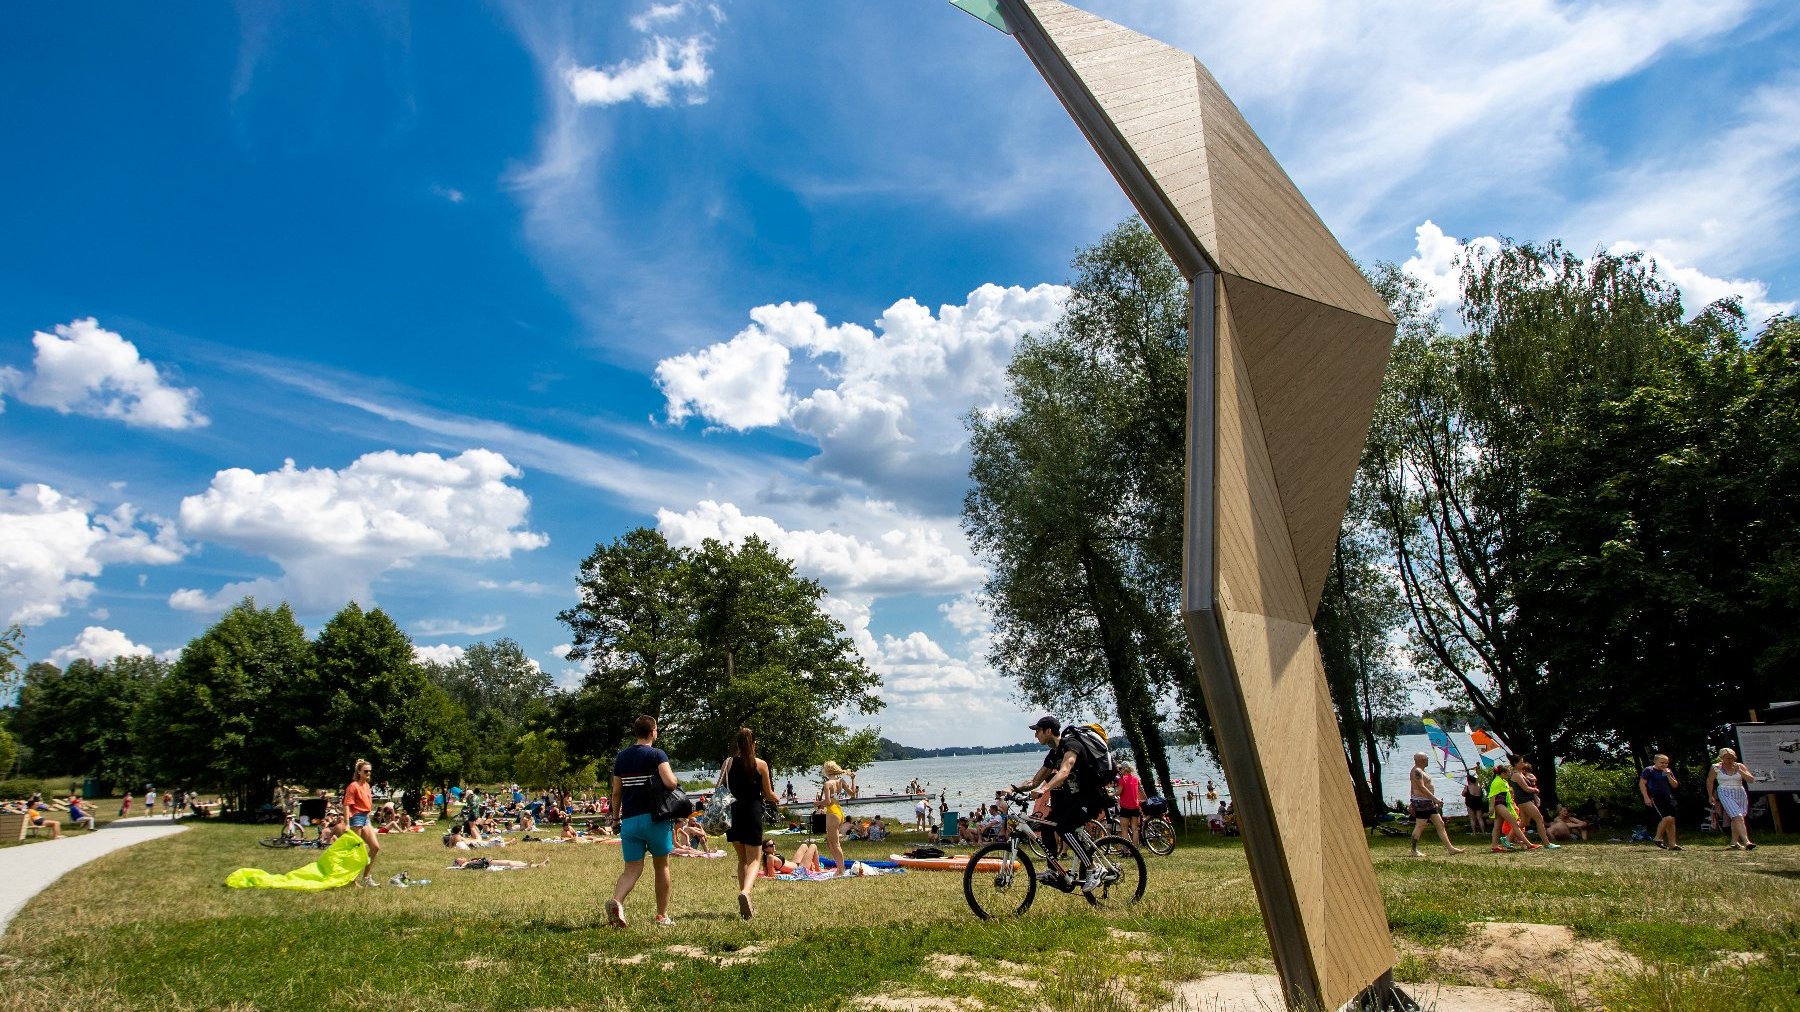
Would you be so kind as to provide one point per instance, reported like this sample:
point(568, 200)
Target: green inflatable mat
point(338, 866)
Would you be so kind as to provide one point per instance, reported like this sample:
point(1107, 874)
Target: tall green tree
point(375, 702)
point(708, 640)
point(1077, 500)
point(80, 719)
point(1567, 488)
point(10, 638)
point(221, 718)
point(504, 693)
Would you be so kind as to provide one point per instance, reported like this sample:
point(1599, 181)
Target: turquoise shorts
point(640, 833)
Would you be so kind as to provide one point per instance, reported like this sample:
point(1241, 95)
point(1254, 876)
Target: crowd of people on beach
point(1509, 808)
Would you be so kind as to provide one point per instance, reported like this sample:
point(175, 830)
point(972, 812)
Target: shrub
point(20, 787)
point(1580, 785)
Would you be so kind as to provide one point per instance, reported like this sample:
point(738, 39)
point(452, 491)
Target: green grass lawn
point(153, 927)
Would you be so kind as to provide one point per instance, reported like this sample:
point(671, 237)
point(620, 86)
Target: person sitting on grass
point(969, 833)
point(806, 858)
point(79, 816)
point(878, 830)
point(1567, 826)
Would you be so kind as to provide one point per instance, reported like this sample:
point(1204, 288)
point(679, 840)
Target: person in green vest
point(1504, 812)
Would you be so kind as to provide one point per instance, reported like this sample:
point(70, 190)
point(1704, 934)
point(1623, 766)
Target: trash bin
point(90, 788)
point(818, 822)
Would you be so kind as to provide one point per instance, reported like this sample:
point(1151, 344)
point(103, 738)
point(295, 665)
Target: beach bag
point(925, 852)
point(1155, 808)
point(672, 804)
point(716, 810)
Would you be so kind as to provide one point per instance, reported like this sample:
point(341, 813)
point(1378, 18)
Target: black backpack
point(1094, 767)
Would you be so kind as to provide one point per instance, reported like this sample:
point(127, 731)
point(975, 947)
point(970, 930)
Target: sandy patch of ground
point(1732, 960)
point(1514, 953)
point(747, 954)
point(1256, 992)
point(951, 966)
point(908, 1002)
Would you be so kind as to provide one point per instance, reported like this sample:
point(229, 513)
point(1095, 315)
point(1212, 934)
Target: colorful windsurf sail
point(1446, 746)
point(1492, 748)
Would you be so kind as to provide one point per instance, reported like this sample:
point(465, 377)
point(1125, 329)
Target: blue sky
point(417, 303)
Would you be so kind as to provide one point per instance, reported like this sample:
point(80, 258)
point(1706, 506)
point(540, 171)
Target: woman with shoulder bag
point(747, 777)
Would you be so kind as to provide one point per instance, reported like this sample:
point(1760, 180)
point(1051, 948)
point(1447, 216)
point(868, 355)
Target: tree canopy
point(707, 640)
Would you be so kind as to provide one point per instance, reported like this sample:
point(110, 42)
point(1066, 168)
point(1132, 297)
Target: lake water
point(967, 781)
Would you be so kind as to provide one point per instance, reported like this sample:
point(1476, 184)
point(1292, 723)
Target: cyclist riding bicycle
point(1075, 793)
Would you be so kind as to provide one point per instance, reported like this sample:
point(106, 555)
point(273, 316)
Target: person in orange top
point(358, 803)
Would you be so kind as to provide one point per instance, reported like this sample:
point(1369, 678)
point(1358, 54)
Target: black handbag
point(673, 803)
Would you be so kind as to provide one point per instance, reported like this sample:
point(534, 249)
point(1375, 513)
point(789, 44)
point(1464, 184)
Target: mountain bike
point(1109, 871)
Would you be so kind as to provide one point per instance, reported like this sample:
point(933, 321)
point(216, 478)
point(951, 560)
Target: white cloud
point(99, 645)
point(669, 64)
point(1439, 260)
point(514, 586)
point(52, 546)
point(440, 653)
point(655, 14)
point(1439, 263)
point(913, 559)
point(888, 403)
point(460, 627)
point(1699, 289)
point(333, 532)
point(561, 650)
point(85, 369)
point(450, 193)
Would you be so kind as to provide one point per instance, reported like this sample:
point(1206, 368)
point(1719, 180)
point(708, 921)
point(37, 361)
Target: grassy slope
point(152, 927)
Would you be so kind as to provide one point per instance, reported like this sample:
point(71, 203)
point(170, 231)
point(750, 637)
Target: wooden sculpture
point(1288, 346)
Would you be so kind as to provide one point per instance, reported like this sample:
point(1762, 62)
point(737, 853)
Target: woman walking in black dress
point(747, 777)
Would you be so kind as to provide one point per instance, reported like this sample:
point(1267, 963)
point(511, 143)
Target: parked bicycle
point(1001, 879)
point(294, 825)
point(1158, 830)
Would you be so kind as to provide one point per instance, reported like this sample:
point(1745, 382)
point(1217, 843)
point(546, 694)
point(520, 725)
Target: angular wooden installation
point(1289, 344)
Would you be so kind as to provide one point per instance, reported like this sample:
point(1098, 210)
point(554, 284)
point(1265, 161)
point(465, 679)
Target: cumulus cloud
point(913, 559)
point(99, 645)
point(886, 404)
point(333, 532)
point(439, 653)
point(1439, 260)
point(561, 651)
point(1438, 264)
point(84, 369)
point(668, 65)
point(1700, 289)
point(53, 545)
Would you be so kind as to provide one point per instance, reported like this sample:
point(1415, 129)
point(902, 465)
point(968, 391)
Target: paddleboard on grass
point(943, 863)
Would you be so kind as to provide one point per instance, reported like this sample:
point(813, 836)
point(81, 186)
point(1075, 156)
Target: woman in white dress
point(1725, 786)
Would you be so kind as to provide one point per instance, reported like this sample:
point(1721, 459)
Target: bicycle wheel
point(1159, 836)
point(1123, 873)
point(1004, 892)
point(277, 842)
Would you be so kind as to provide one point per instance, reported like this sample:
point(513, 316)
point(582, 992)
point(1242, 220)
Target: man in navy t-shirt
point(1657, 786)
point(640, 774)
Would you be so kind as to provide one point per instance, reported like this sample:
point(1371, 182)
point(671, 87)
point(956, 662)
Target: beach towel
point(858, 869)
point(338, 866)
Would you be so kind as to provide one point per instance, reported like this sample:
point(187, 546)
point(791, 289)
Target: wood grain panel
point(1316, 372)
point(1256, 571)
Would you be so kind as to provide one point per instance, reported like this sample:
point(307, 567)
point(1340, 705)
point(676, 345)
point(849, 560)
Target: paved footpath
point(28, 869)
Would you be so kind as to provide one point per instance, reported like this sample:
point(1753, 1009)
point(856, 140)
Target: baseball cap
point(1047, 723)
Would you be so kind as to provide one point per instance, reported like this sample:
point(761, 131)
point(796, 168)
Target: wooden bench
point(12, 826)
